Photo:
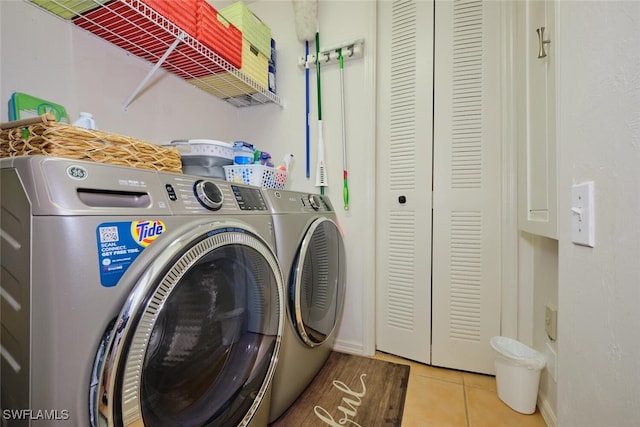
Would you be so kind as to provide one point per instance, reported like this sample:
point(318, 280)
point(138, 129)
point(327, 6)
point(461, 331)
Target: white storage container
point(204, 157)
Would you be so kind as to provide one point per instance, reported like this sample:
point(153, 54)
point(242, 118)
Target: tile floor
point(439, 397)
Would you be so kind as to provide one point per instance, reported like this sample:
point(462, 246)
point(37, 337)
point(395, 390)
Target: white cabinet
point(535, 71)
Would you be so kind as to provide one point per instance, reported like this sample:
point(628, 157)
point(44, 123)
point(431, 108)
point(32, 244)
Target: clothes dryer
point(135, 298)
point(310, 249)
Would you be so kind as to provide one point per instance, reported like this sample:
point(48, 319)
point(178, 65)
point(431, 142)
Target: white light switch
point(582, 221)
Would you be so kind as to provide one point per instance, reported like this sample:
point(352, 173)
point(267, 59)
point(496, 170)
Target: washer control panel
point(203, 195)
point(208, 194)
point(249, 199)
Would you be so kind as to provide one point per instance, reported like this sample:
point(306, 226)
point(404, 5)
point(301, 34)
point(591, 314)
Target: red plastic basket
point(183, 13)
point(218, 34)
point(122, 25)
point(134, 28)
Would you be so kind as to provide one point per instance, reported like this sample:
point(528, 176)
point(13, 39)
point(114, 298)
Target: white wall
point(598, 87)
point(49, 58)
point(340, 22)
point(544, 290)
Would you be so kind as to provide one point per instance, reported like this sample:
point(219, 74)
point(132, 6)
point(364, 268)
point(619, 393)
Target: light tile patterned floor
point(439, 397)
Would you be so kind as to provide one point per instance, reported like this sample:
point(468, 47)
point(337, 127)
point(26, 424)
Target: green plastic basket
point(68, 9)
point(253, 29)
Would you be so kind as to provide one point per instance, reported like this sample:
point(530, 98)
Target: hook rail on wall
point(330, 55)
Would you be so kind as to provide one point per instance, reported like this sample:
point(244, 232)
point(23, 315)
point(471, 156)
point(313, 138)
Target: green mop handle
point(345, 181)
point(318, 75)
point(345, 191)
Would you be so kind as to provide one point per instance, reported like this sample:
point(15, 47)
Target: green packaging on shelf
point(23, 106)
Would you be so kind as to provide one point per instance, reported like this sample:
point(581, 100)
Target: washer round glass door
point(200, 349)
point(316, 288)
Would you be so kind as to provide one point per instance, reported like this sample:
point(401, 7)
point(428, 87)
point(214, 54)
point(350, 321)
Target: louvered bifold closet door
point(404, 160)
point(467, 184)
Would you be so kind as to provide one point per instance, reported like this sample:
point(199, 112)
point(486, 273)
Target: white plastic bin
point(518, 370)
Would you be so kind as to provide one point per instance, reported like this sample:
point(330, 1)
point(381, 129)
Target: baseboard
point(351, 347)
point(547, 412)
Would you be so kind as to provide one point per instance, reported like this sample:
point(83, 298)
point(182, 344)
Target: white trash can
point(518, 370)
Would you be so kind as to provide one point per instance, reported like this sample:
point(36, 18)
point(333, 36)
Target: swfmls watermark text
point(36, 414)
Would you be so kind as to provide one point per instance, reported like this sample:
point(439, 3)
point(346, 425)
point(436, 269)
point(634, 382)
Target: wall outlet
point(551, 321)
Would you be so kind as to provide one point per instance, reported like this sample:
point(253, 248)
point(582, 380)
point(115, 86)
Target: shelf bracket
point(153, 71)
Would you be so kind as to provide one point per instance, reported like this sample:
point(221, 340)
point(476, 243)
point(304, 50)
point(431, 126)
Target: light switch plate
point(583, 220)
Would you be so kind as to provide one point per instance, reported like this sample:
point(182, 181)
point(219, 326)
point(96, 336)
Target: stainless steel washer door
point(316, 290)
point(196, 344)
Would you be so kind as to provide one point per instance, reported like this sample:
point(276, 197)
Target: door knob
point(542, 53)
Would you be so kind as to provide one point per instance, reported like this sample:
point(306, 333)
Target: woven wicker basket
point(43, 135)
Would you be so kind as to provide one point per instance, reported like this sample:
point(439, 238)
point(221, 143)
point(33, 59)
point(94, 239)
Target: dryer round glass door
point(316, 289)
point(198, 343)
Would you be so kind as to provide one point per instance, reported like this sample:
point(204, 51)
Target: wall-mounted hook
point(350, 51)
point(542, 53)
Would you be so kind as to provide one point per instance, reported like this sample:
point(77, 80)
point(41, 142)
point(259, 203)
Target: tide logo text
point(145, 232)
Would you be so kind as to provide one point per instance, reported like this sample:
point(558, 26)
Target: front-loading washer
point(310, 248)
point(135, 298)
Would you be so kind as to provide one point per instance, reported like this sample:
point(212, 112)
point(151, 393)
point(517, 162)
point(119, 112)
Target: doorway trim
point(509, 232)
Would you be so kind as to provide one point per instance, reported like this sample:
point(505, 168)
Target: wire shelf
point(140, 30)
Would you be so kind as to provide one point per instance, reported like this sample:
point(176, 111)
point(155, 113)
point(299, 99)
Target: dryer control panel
point(283, 201)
